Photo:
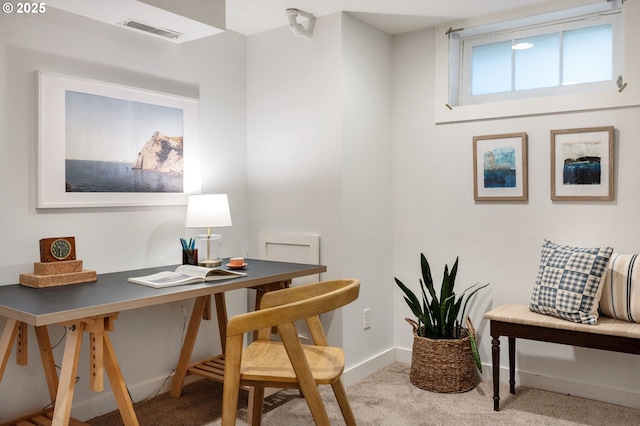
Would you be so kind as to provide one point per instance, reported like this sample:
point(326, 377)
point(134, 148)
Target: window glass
point(491, 64)
point(587, 54)
point(537, 62)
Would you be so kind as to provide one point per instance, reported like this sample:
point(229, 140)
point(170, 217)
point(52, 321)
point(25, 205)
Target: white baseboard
point(356, 372)
point(618, 396)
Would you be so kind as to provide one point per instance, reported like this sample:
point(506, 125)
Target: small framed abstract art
point(500, 167)
point(582, 164)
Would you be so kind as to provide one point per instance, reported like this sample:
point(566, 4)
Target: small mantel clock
point(57, 249)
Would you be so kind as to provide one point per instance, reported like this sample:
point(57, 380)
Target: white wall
point(498, 242)
point(113, 239)
point(318, 146)
point(366, 191)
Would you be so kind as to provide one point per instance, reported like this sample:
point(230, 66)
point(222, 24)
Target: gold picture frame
point(582, 164)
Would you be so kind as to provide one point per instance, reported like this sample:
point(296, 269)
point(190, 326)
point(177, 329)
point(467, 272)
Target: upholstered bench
point(518, 321)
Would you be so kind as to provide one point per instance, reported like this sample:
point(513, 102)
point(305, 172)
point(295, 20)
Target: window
point(572, 51)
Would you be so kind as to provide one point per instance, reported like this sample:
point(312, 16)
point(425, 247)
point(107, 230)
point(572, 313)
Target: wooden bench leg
point(512, 365)
point(495, 362)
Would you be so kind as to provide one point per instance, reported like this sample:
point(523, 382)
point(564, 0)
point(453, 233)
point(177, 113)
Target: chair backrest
point(296, 303)
point(281, 309)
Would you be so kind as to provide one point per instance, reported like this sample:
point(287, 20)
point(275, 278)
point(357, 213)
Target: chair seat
point(268, 361)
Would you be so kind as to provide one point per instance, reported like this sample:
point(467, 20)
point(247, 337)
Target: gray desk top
point(113, 293)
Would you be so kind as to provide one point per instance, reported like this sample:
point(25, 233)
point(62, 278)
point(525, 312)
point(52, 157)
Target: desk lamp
point(208, 211)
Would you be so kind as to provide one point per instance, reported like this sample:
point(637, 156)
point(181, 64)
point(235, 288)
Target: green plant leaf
point(464, 309)
point(475, 353)
point(427, 278)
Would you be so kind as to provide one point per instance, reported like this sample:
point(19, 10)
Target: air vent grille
point(150, 29)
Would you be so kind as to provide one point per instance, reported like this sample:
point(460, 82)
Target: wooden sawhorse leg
point(197, 313)
point(6, 342)
point(15, 329)
point(102, 358)
point(18, 330)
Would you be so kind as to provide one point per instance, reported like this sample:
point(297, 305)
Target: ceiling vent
point(167, 20)
point(150, 29)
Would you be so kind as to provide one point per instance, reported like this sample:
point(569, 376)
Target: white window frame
point(574, 99)
point(468, 43)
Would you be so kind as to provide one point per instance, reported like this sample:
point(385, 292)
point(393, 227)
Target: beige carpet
point(388, 398)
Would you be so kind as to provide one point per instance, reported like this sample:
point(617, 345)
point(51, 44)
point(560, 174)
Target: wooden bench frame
point(513, 331)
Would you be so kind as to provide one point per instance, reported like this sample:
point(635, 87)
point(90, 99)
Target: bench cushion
point(621, 289)
point(568, 284)
point(521, 314)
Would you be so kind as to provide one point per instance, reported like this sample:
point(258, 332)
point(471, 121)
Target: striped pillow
point(621, 290)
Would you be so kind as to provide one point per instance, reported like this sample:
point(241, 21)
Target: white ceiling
point(254, 16)
point(391, 16)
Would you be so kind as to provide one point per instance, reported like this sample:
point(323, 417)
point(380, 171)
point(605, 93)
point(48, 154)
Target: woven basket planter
point(442, 365)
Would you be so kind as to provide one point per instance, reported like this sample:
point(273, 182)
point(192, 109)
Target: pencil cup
point(190, 257)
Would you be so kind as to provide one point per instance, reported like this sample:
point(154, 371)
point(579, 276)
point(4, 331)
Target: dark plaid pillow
point(568, 284)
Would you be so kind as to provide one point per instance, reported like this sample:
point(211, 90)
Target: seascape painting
point(582, 163)
point(122, 146)
point(500, 167)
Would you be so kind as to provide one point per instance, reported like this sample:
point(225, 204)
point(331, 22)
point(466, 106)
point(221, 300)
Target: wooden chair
point(287, 363)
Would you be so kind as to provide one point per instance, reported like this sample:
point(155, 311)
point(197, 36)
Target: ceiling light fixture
point(522, 46)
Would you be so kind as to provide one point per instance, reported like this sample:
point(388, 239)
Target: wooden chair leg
point(307, 384)
point(231, 387)
point(343, 402)
point(256, 401)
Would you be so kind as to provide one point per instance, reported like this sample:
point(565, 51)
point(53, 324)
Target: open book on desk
point(185, 274)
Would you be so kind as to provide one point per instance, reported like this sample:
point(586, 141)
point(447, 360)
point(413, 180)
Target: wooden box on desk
point(50, 274)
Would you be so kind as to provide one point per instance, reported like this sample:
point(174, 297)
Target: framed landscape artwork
point(582, 164)
point(500, 167)
point(102, 144)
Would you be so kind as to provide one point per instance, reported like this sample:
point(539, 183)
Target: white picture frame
point(54, 139)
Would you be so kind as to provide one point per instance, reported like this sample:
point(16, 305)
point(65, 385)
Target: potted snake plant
point(444, 354)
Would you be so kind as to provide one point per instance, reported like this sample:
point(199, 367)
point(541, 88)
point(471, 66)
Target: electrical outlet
point(366, 319)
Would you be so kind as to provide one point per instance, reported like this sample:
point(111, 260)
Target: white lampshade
point(208, 211)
